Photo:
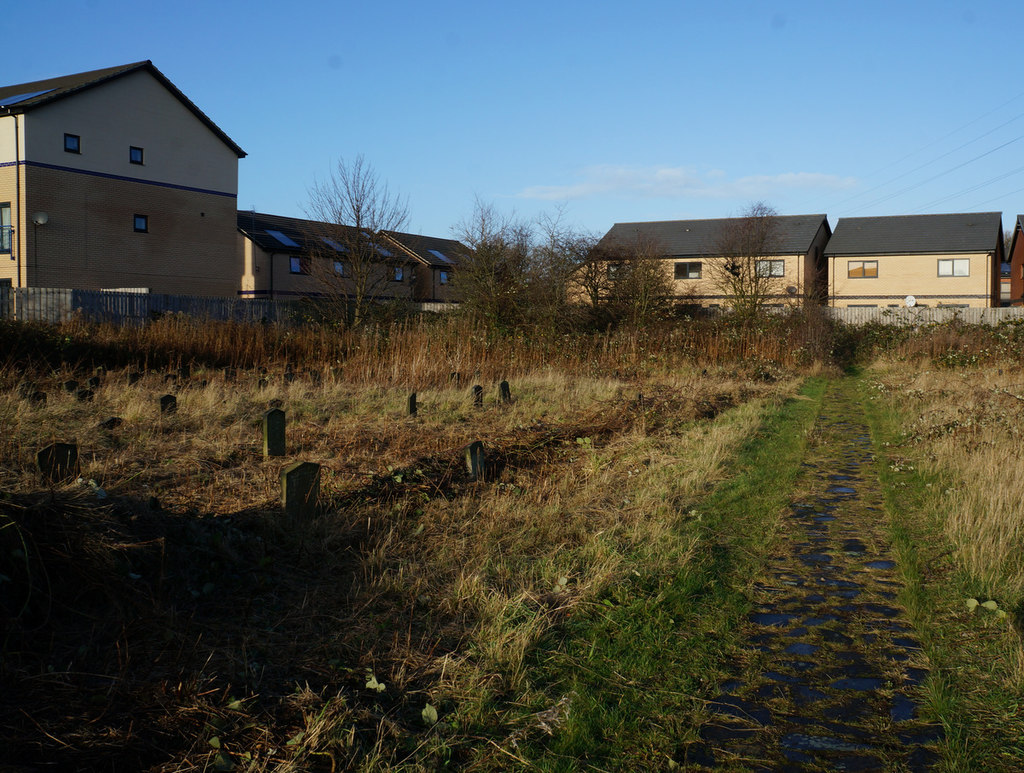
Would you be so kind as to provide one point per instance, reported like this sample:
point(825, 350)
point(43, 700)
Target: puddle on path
point(832, 671)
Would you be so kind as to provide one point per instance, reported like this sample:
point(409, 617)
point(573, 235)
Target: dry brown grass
point(146, 632)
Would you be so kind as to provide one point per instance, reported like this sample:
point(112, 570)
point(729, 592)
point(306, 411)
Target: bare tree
point(741, 262)
point(641, 287)
point(351, 206)
point(491, 281)
point(560, 252)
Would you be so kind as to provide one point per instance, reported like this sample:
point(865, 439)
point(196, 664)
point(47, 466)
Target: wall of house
point(266, 275)
point(815, 275)
point(134, 110)
point(429, 287)
point(917, 275)
point(90, 242)
point(706, 291)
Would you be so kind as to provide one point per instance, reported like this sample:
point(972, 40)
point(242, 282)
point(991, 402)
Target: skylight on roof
point(8, 101)
point(440, 255)
point(286, 241)
point(333, 244)
point(381, 251)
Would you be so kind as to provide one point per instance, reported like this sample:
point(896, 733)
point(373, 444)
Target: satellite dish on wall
point(911, 301)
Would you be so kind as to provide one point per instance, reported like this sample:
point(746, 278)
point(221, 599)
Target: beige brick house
point(691, 252)
point(288, 257)
point(1016, 259)
point(935, 260)
point(114, 179)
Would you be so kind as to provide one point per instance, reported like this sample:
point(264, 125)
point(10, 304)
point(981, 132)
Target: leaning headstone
point(112, 423)
point(475, 461)
point(505, 391)
point(84, 395)
point(134, 377)
point(94, 382)
point(478, 396)
point(70, 385)
point(168, 404)
point(273, 433)
point(58, 462)
point(185, 372)
point(412, 404)
point(300, 490)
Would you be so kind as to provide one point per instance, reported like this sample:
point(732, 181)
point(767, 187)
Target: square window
point(862, 269)
point(341, 268)
point(135, 155)
point(72, 143)
point(443, 277)
point(141, 223)
point(298, 265)
point(688, 270)
point(398, 274)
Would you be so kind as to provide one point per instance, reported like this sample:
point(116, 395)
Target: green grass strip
point(641, 664)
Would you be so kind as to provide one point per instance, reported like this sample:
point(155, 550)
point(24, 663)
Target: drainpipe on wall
point(16, 220)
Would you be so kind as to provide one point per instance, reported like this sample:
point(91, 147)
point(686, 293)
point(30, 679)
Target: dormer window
point(72, 143)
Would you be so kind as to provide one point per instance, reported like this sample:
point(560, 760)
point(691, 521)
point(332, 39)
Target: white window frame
point(954, 267)
point(776, 267)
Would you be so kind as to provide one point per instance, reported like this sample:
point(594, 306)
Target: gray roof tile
point(909, 234)
point(696, 238)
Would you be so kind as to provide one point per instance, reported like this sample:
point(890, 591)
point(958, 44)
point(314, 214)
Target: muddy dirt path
point(831, 675)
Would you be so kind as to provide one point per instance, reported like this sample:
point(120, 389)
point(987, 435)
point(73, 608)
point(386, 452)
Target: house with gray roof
point(695, 253)
point(111, 179)
point(927, 260)
point(289, 257)
point(438, 262)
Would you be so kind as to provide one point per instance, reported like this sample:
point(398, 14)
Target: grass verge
point(974, 688)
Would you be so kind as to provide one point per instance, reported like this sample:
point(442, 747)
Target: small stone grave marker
point(84, 395)
point(70, 385)
point(505, 392)
point(475, 460)
point(300, 490)
point(111, 423)
point(185, 372)
point(134, 377)
point(412, 404)
point(168, 404)
point(94, 382)
point(478, 396)
point(58, 462)
point(273, 433)
point(455, 377)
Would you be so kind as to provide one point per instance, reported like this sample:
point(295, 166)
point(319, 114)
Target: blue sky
point(612, 111)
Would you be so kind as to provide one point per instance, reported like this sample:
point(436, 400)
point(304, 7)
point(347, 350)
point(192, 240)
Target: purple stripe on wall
point(120, 177)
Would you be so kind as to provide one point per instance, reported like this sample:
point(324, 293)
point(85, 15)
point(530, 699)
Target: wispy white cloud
point(681, 182)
